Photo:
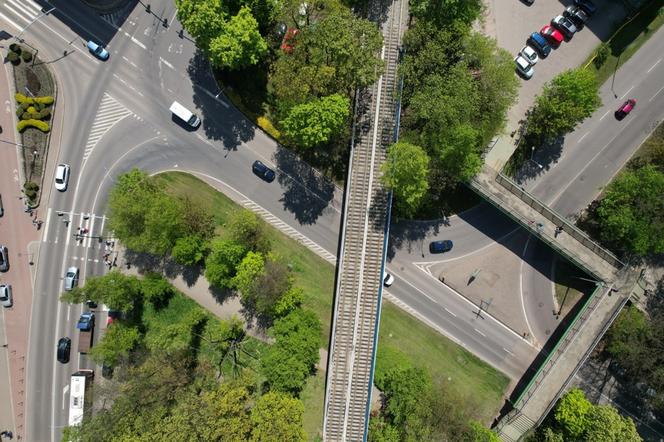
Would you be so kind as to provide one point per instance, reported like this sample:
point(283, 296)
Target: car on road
point(4, 259)
point(86, 321)
point(263, 171)
point(625, 109)
point(565, 26)
point(64, 349)
point(440, 246)
point(529, 54)
point(388, 280)
point(524, 67)
point(587, 5)
point(71, 278)
point(62, 177)
point(552, 35)
point(540, 44)
point(98, 50)
point(6, 295)
point(577, 15)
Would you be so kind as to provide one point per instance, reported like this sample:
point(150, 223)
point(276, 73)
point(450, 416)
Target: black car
point(440, 246)
point(263, 171)
point(577, 15)
point(64, 347)
point(587, 6)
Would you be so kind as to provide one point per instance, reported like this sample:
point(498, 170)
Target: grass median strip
point(447, 362)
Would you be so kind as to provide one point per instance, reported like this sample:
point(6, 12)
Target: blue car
point(98, 50)
point(263, 171)
point(440, 246)
point(540, 44)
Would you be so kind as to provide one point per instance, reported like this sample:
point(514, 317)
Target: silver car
point(71, 278)
point(6, 295)
point(4, 259)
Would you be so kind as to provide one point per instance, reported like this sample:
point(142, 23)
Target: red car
point(626, 108)
point(552, 34)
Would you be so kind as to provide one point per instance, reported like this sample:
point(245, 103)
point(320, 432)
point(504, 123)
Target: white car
point(388, 280)
point(6, 295)
point(71, 278)
point(524, 67)
point(529, 54)
point(62, 177)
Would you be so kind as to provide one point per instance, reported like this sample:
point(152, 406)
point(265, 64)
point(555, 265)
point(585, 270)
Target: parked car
point(6, 295)
point(529, 54)
point(586, 5)
point(64, 349)
point(263, 171)
point(540, 44)
point(565, 26)
point(288, 43)
point(440, 246)
point(98, 50)
point(388, 280)
point(577, 15)
point(62, 177)
point(625, 109)
point(71, 278)
point(552, 35)
point(524, 67)
point(4, 259)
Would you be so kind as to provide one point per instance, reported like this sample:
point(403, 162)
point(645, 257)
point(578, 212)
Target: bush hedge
point(20, 98)
point(41, 125)
point(13, 57)
point(14, 47)
point(26, 56)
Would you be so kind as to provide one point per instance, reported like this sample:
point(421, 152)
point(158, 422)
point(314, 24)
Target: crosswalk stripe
point(108, 114)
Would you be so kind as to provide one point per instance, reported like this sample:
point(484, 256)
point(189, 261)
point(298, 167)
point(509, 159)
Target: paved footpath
point(20, 236)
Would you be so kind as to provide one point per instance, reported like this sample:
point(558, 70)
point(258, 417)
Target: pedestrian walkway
point(19, 13)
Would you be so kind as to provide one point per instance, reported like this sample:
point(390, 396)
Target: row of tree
point(458, 85)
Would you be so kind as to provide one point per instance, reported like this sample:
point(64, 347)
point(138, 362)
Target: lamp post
point(532, 152)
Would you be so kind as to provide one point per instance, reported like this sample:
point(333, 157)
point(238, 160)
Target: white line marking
point(607, 113)
point(656, 93)
point(450, 312)
point(9, 21)
point(65, 390)
point(163, 60)
point(584, 135)
point(628, 90)
point(507, 351)
point(653, 66)
point(479, 332)
point(46, 225)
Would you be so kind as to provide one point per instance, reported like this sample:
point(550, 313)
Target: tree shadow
point(220, 123)
point(538, 160)
point(147, 262)
point(307, 193)
point(410, 235)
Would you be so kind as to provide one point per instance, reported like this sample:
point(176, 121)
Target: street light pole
point(18, 37)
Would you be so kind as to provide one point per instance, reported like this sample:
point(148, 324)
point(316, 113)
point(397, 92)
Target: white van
point(185, 114)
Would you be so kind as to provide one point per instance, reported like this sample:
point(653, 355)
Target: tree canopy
point(406, 174)
point(116, 290)
point(317, 121)
point(631, 214)
point(565, 101)
point(239, 44)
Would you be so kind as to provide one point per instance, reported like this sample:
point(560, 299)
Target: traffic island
point(35, 92)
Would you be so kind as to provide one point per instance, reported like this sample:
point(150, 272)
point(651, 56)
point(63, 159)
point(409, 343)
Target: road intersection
point(117, 118)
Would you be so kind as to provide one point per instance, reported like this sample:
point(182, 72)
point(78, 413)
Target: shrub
point(20, 98)
point(44, 100)
point(13, 58)
point(26, 56)
point(603, 52)
point(267, 126)
point(31, 109)
point(14, 47)
point(30, 116)
point(31, 185)
point(45, 114)
point(21, 109)
point(41, 125)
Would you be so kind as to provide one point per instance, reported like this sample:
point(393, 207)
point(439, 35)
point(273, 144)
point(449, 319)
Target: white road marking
point(46, 224)
point(5, 18)
point(162, 60)
point(584, 135)
point(216, 97)
point(450, 312)
point(479, 332)
point(656, 93)
point(653, 66)
point(628, 90)
point(65, 390)
point(507, 351)
point(607, 113)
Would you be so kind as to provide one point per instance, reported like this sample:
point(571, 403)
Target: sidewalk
point(16, 233)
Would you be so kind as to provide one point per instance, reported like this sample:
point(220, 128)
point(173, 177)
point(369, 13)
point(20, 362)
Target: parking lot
point(512, 21)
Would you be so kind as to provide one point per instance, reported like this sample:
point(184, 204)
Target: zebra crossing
point(118, 17)
point(109, 113)
point(288, 230)
point(25, 10)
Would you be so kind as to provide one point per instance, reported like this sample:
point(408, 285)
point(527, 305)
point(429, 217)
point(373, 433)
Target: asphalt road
point(125, 100)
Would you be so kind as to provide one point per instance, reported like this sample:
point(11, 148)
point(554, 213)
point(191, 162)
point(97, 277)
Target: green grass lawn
point(629, 39)
point(448, 363)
